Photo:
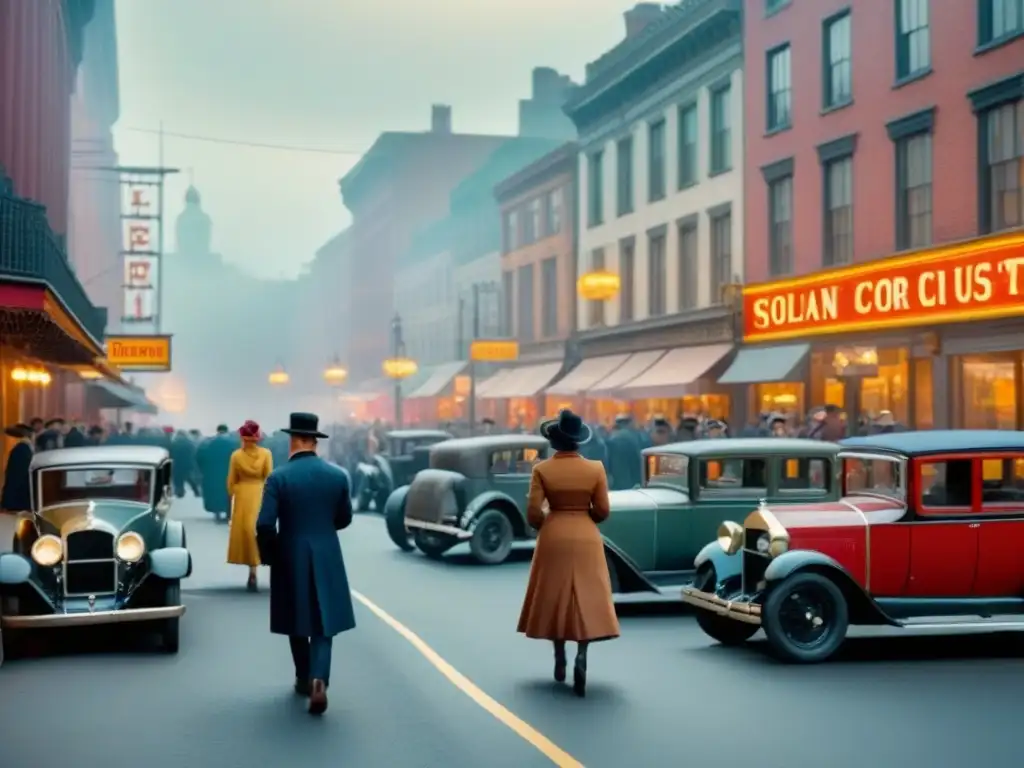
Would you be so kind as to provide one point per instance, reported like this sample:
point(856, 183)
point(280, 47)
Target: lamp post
point(398, 367)
point(278, 377)
point(335, 374)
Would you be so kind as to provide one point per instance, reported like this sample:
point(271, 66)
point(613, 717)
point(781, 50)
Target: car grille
point(90, 545)
point(754, 563)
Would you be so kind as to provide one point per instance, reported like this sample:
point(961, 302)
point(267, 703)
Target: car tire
point(805, 618)
point(394, 521)
point(363, 502)
point(719, 628)
point(433, 545)
point(170, 628)
point(380, 499)
point(492, 538)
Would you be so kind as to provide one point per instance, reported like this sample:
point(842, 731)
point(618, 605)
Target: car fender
point(384, 466)
point(174, 538)
point(14, 568)
point(629, 577)
point(396, 501)
point(487, 499)
point(726, 566)
point(170, 563)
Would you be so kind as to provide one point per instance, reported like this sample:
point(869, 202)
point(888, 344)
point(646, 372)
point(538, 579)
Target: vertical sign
point(141, 240)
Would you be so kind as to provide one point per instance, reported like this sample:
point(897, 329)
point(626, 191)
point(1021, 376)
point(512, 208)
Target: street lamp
point(398, 367)
point(599, 285)
point(31, 376)
point(335, 374)
point(278, 377)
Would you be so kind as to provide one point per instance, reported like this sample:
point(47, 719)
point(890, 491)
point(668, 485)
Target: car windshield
point(875, 475)
point(670, 468)
point(60, 486)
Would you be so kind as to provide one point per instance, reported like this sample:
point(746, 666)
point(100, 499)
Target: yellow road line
point(538, 740)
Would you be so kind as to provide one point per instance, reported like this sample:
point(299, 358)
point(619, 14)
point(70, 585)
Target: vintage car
point(474, 490)
point(98, 546)
point(406, 454)
point(656, 531)
point(928, 534)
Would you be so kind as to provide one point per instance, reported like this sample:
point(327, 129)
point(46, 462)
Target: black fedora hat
point(304, 425)
point(567, 426)
point(18, 430)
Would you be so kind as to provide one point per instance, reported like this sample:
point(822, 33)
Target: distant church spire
point(193, 229)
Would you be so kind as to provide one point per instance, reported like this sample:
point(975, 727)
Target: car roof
point(415, 434)
point(101, 455)
point(489, 442)
point(789, 446)
point(921, 443)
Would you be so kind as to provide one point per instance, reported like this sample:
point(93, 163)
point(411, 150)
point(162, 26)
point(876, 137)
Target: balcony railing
point(31, 252)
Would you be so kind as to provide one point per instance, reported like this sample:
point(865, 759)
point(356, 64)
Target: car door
point(510, 473)
point(944, 538)
point(1000, 572)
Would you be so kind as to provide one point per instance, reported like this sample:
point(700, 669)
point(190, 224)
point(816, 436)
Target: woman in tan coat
point(250, 466)
point(569, 596)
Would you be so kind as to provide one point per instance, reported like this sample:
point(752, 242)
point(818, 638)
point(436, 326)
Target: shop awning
point(523, 382)
point(762, 365)
point(440, 377)
point(673, 373)
point(634, 365)
point(107, 394)
point(585, 375)
point(483, 388)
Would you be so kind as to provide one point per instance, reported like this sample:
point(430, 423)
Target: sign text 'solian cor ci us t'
point(139, 353)
point(982, 279)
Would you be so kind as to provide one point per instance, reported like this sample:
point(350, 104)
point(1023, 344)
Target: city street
point(662, 695)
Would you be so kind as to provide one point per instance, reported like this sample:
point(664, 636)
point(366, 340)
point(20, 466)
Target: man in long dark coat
point(183, 454)
point(624, 456)
point(305, 503)
point(15, 495)
point(214, 459)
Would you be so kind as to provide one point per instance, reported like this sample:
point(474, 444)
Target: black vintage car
point(405, 453)
point(475, 491)
point(98, 546)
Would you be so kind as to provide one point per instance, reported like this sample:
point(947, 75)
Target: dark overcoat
point(15, 495)
point(624, 459)
point(305, 503)
point(214, 459)
point(183, 454)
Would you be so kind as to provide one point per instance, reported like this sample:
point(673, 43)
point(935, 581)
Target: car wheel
point(719, 628)
point(433, 545)
point(169, 629)
point(805, 618)
point(394, 521)
point(380, 499)
point(492, 538)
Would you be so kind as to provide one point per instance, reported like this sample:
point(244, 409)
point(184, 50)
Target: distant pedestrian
point(15, 496)
point(248, 470)
point(569, 596)
point(305, 502)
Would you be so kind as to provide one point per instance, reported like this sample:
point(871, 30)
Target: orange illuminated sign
point(139, 353)
point(977, 280)
point(493, 350)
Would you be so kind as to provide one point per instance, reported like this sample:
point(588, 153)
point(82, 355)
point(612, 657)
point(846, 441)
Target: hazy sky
point(327, 74)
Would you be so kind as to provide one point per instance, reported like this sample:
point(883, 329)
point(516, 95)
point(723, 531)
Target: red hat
point(249, 429)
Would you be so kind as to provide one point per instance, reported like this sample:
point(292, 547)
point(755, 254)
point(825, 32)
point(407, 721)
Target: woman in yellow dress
point(250, 466)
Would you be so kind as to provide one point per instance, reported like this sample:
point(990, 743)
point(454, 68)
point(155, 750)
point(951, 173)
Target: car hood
point(852, 511)
point(645, 498)
point(112, 516)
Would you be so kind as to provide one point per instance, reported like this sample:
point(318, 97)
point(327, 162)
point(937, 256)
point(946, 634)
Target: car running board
point(941, 623)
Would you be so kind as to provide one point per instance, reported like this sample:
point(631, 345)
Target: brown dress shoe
point(302, 686)
point(317, 697)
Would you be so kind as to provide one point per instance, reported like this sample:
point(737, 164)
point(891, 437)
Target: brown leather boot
point(318, 697)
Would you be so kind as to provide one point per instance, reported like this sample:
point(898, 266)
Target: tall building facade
point(884, 176)
point(541, 115)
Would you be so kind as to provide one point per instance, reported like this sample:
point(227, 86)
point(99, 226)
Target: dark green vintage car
point(655, 532)
point(406, 453)
point(98, 546)
point(475, 491)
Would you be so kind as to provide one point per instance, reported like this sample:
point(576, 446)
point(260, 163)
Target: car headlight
point(772, 545)
point(730, 537)
point(130, 547)
point(47, 551)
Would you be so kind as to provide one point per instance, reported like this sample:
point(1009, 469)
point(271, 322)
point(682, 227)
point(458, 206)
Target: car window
point(1002, 482)
point(60, 486)
point(804, 474)
point(667, 466)
point(874, 475)
point(946, 484)
point(733, 474)
point(514, 461)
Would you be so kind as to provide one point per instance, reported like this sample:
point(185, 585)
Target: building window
point(721, 130)
point(627, 273)
point(596, 310)
point(624, 176)
point(772, 6)
point(656, 288)
point(838, 212)
point(838, 78)
point(524, 303)
point(780, 204)
point(687, 146)
point(913, 43)
point(553, 206)
point(688, 272)
point(1004, 127)
point(532, 222)
point(999, 20)
point(549, 293)
point(721, 255)
point(511, 231)
point(595, 191)
point(780, 89)
point(914, 191)
point(507, 298)
point(656, 161)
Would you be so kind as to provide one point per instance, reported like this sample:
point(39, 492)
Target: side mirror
point(163, 506)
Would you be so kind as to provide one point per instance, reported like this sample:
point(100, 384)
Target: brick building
point(873, 141)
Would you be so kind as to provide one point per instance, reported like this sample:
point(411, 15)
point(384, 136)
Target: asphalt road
point(661, 695)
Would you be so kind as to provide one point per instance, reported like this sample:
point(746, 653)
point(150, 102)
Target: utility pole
point(472, 363)
point(159, 298)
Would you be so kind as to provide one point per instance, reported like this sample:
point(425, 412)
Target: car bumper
point(58, 620)
point(447, 530)
point(749, 613)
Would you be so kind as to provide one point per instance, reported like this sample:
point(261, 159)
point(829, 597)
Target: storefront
point(935, 337)
point(441, 397)
point(514, 395)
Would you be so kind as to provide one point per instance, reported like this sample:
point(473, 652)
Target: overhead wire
point(244, 143)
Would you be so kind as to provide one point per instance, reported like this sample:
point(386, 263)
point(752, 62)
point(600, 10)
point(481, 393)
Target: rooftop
point(485, 442)
point(100, 456)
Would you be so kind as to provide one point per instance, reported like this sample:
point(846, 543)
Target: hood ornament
point(92, 603)
point(762, 504)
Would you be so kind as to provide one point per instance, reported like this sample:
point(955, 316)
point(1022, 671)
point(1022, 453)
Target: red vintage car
point(928, 532)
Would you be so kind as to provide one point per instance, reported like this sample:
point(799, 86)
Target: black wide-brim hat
point(304, 425)
point(18, 431)
point(567, 426)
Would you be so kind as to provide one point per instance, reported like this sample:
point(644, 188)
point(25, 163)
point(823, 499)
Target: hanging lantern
point(335, 374)
point(600, 285)
point(37, 377)
point(399, 367)
point(278, 377)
